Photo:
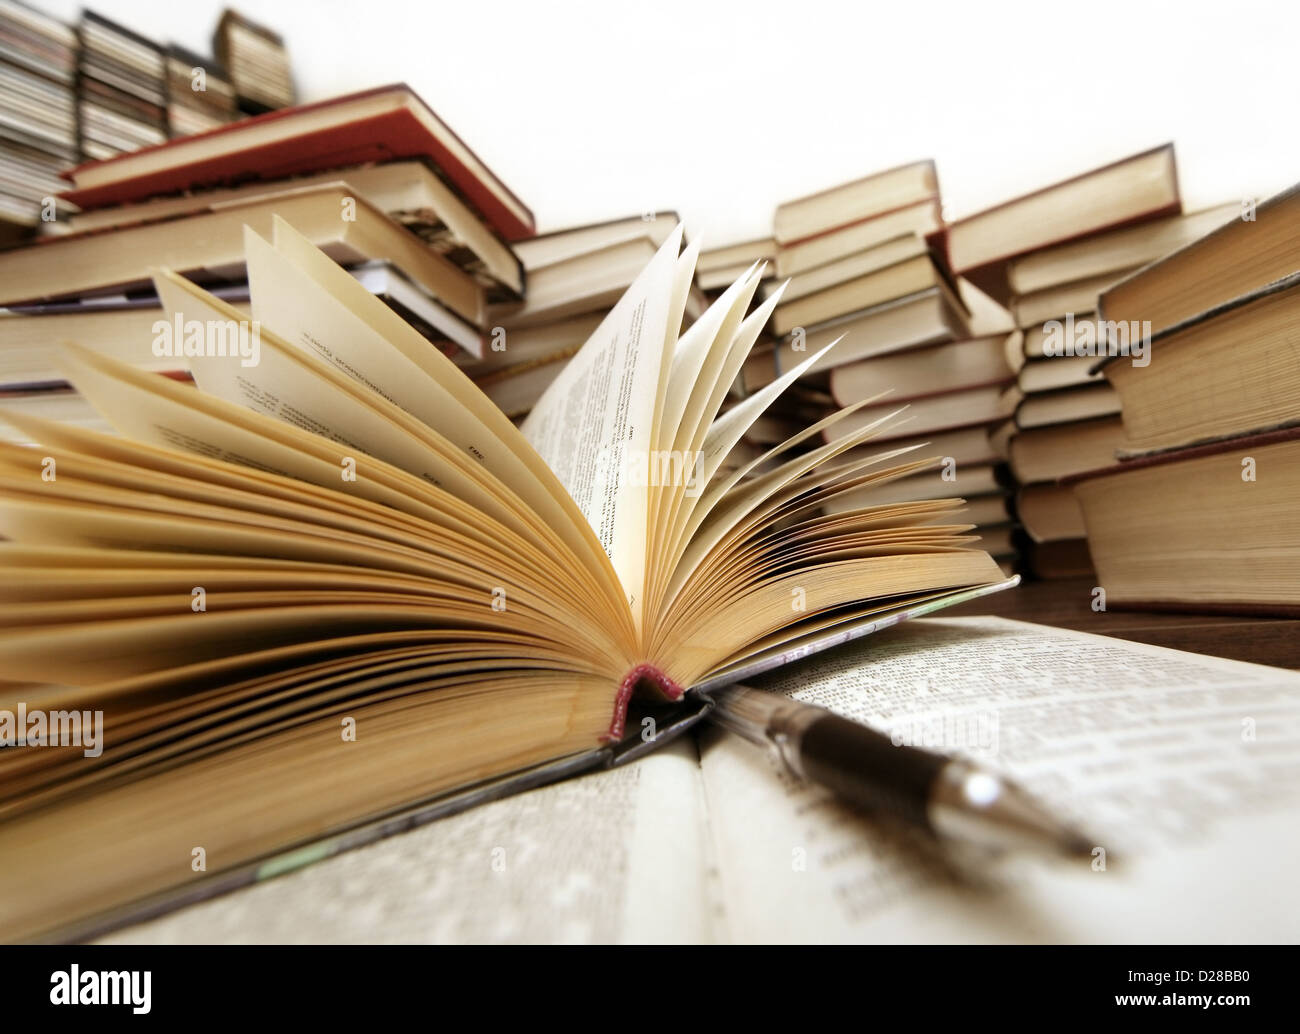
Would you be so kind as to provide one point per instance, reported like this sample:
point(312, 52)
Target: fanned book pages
point(336, 582)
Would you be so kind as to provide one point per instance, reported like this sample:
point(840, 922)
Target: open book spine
point(642, 673)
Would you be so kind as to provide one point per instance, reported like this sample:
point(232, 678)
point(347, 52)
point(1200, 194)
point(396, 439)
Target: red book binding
point(381, 136)
point(647, 673)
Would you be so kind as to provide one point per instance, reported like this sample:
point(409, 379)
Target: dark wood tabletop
point(1068, 604)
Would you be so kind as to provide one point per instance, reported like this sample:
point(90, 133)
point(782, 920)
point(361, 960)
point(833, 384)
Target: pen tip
point(970, 803)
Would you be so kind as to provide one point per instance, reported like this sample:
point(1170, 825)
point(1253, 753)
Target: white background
point(721, 110)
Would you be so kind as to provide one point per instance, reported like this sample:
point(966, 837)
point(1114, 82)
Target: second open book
point(335, 581)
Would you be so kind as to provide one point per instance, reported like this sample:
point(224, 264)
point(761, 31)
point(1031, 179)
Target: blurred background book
point(983, 316)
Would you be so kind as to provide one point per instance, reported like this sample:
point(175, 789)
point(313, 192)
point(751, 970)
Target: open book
point(1181, 766)
point(336, 582)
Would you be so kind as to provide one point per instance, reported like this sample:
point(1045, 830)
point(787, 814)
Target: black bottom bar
point(599, 984)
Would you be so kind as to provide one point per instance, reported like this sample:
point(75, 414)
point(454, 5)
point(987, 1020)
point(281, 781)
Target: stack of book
point(199, 93)
point(859, 267)
point(1049, 254)
point(1062, 373)
point(1201, 511)
point(862, 268)
point(718, 268)
point(574, 277)
point(954, 394)
point(159, 208)
point(38, 119)
point(121, 89)
point(258, 63)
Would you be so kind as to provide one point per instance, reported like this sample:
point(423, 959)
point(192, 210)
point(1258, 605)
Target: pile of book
point(38, 119)
point(199, 94)
point(257, 61)
point(1201, 511)
point(92, 92)
point(859, 265)
point(989, 330)
point(863, 265)
point(574, 277)
point(720, 267)
point(1049, 254)
point(160, 209)
point(121, 89)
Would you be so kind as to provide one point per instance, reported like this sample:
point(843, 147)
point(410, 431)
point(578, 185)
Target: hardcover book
point(1226, 372)
point(1126, 192)
point(1207, 528)
point(1239, 258)
point(209, 244)
point(375, 125)
point(855, 202)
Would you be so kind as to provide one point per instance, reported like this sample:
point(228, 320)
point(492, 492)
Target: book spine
point(642, 673)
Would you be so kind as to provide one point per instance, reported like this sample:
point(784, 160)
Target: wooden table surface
point(1068, 604)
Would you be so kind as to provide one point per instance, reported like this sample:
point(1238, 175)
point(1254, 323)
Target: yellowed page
point(678, 503)
point(707, 438)
point(596, 420)
point(809, 433)
point(300, 294)
point(154, 409)
point(728, 429)
point(701, 346)
point(693, 394)
point(683, 282)
point(685, 279)
point(807, 478)
point(299, 388)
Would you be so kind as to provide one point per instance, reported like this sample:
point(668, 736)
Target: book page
point(594, 425)
point(1185, 768)
point(300, 388)
point(696, 355)
point(304, 297)
point(614, 856)
point(290, 302)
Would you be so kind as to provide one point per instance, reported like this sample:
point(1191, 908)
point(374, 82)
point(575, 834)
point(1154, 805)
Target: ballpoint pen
point(953, 798)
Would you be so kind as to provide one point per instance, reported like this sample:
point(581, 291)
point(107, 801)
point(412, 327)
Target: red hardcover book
point(376, 125)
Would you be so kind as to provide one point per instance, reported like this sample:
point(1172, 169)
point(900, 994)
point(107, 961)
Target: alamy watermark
point(75, 986)
point(212, 339)
point(973, 734)
point(36, 728)
point(675, 468)
point(1099, 338)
